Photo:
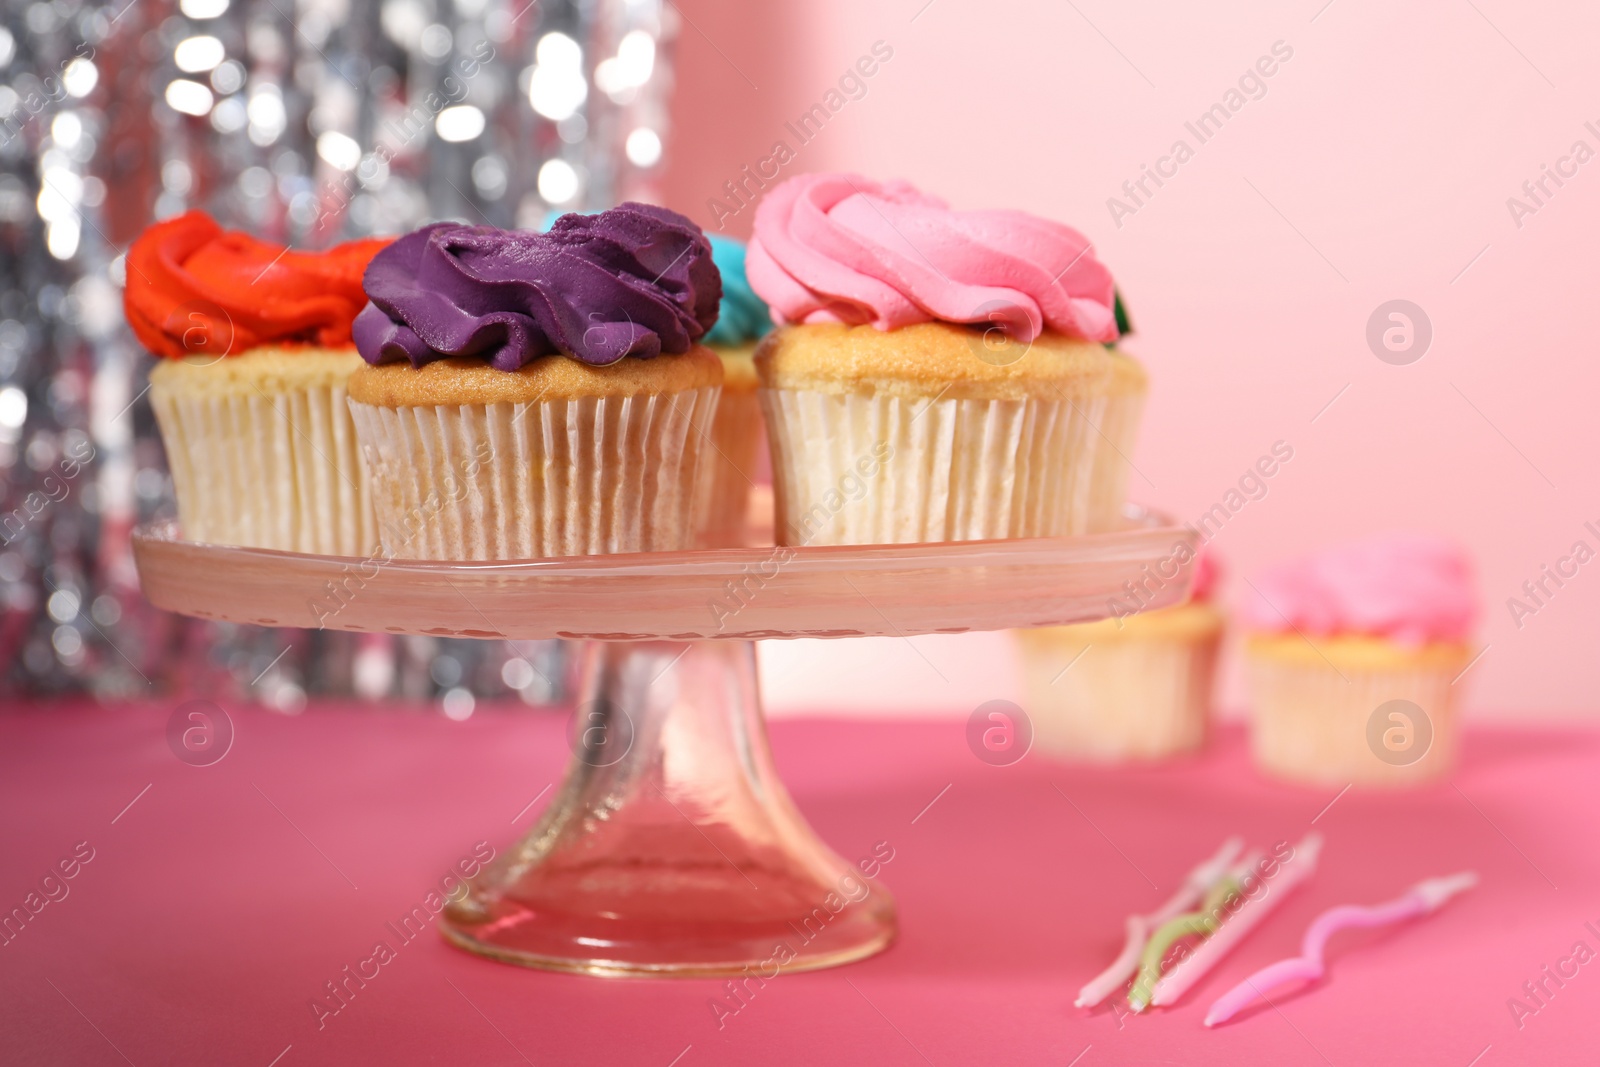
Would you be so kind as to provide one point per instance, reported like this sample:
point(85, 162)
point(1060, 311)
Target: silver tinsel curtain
point(307, 123)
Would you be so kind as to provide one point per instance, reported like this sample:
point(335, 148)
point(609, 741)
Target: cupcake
point(1353, 655)
point(249, 392)
point(937, 375)
point(538, 394)
point(1130, 688)
point(729, 469)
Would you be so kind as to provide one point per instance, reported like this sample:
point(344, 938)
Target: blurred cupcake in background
point(938, 375)
point(1127, 689)
point(255, 350)
point(538, 394)
point(729, 470)
point(1353, 654)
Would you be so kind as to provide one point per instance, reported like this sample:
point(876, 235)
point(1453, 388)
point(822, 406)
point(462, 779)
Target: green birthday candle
point(1202, 922)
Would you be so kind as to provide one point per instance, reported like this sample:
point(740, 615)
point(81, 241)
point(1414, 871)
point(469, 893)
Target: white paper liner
point(727, 469)
point(881, 469)
point(1118, 426)
point(1125, 699)
point(268, 471)
point(519, 481)
point(1309, 724)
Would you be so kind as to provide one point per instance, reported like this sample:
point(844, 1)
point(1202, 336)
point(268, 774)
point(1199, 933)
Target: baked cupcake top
point(842, 248)
point(1410, 588)
point(195, 289)
point(936, 360)
point(636, 280)
point(743, 315)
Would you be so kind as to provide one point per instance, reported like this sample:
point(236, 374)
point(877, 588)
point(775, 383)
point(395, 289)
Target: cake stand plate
point(672, 847)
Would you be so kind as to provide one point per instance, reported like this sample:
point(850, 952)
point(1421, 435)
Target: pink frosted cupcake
point(1353, 655)
point(939, 375)
point(1133, 688)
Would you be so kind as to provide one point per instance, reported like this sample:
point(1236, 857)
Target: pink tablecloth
point(217, 905)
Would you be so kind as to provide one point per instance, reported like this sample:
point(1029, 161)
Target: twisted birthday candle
point(1423, 898)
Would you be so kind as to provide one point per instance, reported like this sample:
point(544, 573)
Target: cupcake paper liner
point(569, 477)
point(1313, 726)
point(280, 471)
point(727, 469)
point(1120, 699)
point(1118, 426)
point(883, 469)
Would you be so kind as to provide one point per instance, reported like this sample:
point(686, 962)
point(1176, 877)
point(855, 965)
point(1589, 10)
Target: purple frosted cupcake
point(538, 394)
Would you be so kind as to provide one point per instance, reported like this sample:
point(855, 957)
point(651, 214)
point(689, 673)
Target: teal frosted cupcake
point(728, 471)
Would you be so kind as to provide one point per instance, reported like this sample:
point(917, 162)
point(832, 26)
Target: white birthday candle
point(1205, 875)
point(1247, 917)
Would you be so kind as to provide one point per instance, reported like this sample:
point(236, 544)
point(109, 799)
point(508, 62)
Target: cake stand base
point(672, 848)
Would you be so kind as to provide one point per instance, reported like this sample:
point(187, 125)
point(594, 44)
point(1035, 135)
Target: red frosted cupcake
point(255, 350)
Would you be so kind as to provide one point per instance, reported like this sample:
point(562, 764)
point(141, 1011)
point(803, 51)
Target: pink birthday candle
point(1195, 885)
point(1290, 873)
point(1422, 899)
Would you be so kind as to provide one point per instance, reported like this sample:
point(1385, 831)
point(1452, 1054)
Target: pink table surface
point(219, 903)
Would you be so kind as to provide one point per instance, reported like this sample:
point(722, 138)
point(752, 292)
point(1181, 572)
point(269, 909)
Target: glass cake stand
point(672, 847)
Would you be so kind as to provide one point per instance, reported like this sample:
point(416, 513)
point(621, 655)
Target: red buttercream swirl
point(194, 288)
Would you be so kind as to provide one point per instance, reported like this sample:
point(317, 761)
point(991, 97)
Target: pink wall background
point(1376, 166)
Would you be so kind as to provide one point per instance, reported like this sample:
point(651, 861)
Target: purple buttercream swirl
point(636, 280)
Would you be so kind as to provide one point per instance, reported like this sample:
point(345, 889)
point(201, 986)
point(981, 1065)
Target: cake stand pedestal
point(672, 847)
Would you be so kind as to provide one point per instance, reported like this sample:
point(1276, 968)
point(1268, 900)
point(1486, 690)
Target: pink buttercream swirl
point(842, 248)
point(1410, 588)
point(1206, 573)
